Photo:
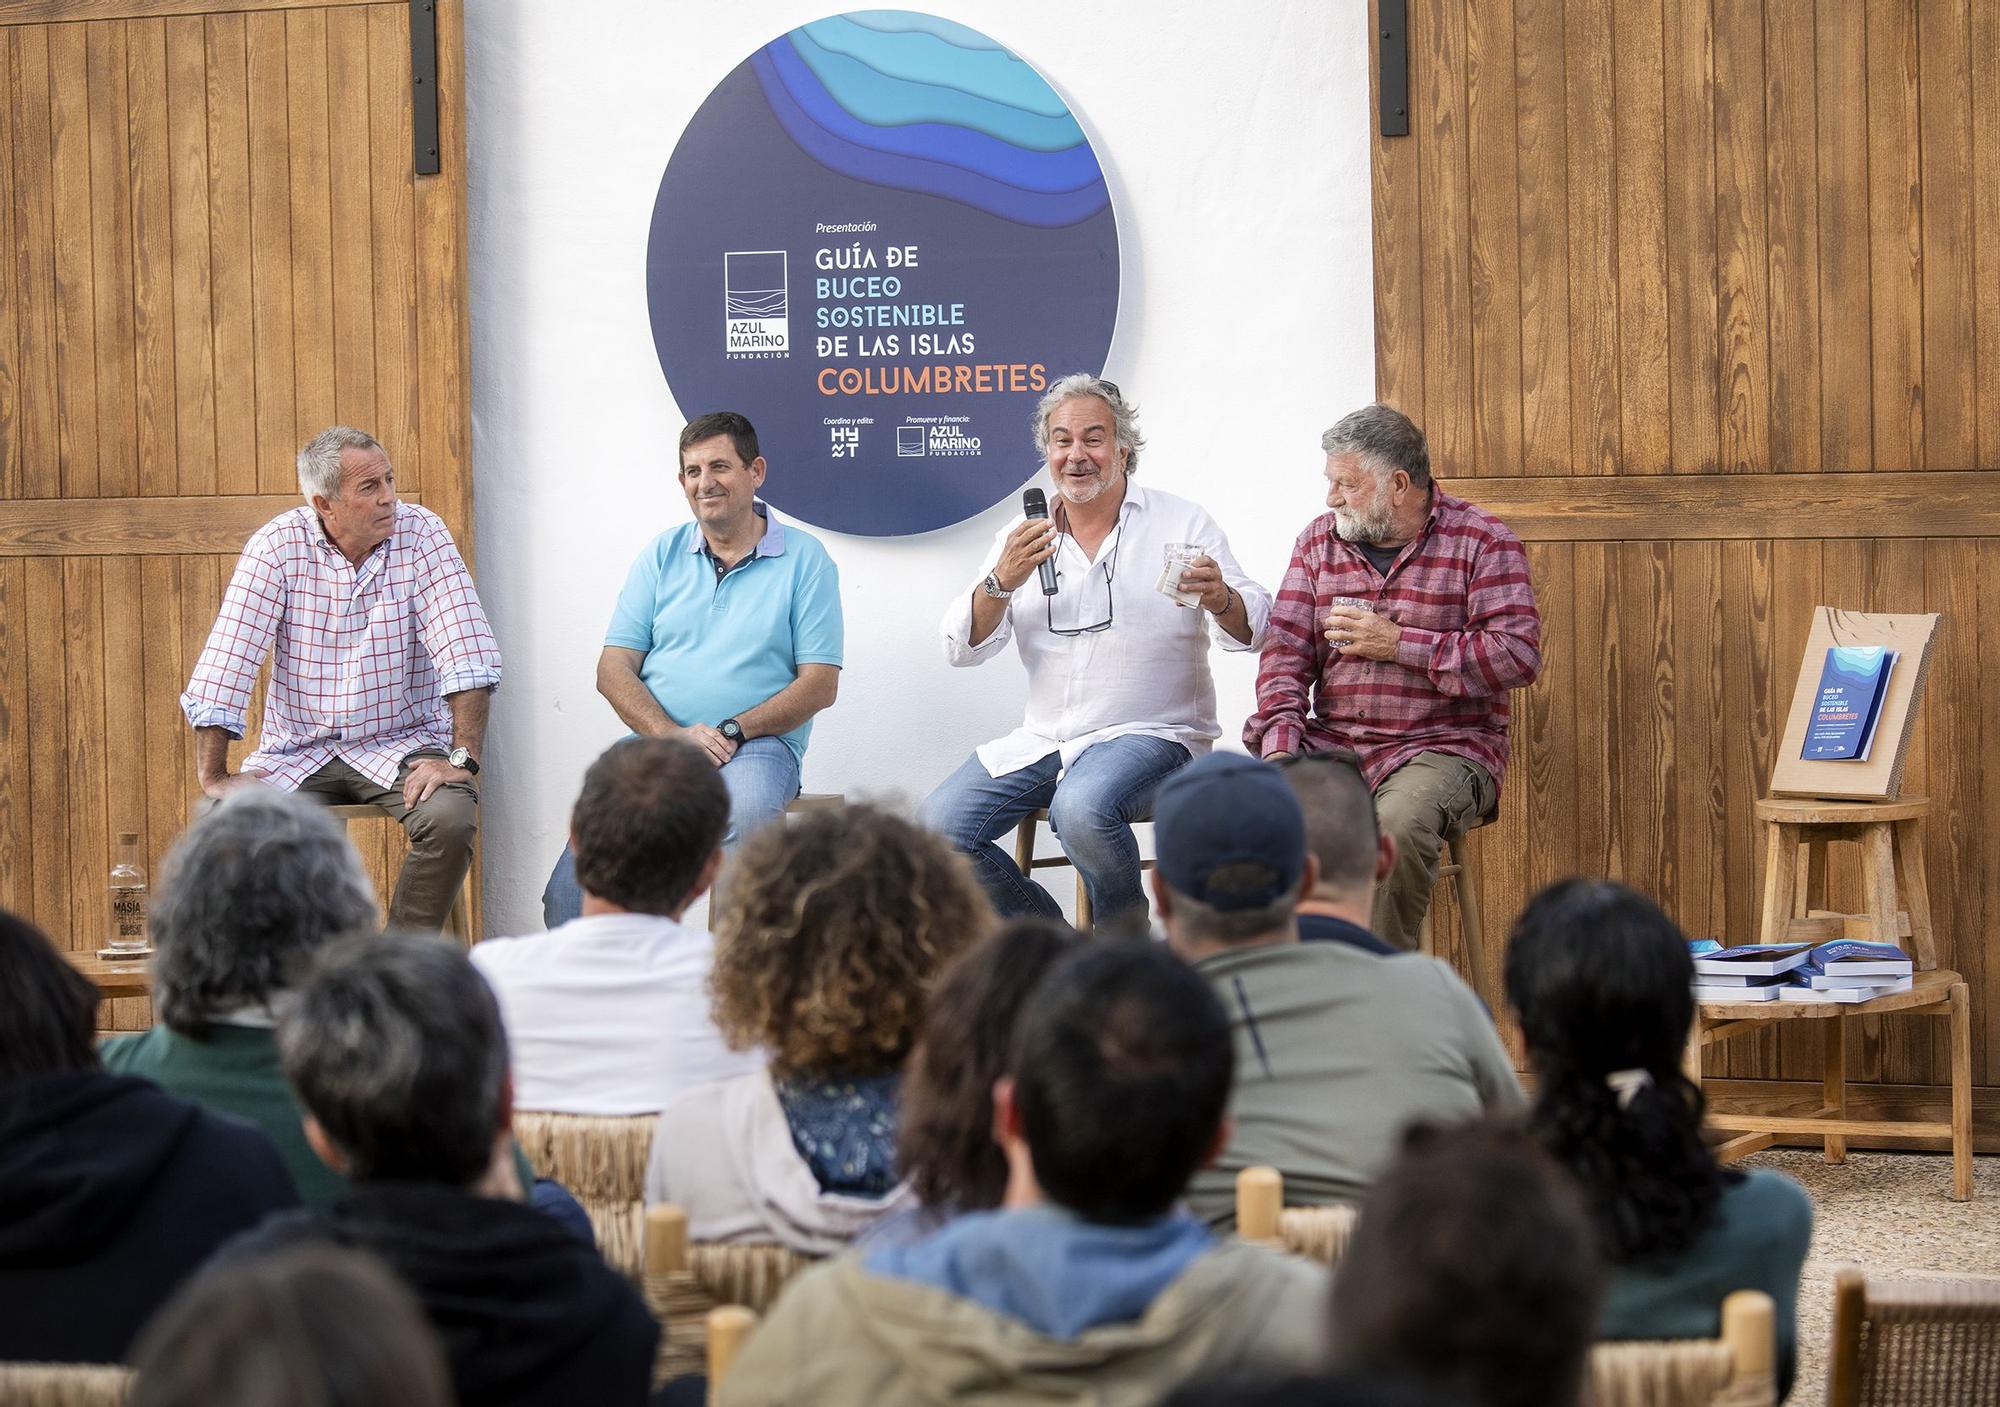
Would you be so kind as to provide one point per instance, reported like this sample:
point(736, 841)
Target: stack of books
point(1849, 970)
point(1844, 970)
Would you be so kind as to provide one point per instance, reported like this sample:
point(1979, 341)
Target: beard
point(1369, 528)
point(1080, 493)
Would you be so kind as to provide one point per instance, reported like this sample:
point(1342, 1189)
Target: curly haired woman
point(829, 933)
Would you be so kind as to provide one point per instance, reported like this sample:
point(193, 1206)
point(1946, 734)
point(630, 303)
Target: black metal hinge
point(1393, 77)
point(424, 85)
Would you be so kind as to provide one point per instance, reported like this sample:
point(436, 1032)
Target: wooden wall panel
point(1754, 339)
point(214, 245)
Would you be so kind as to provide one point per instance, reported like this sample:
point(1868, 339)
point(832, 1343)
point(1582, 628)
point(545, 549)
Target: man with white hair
point(1405, 618)
point(383, 665)
point(1119, 690)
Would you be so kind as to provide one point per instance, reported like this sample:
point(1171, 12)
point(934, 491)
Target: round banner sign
point(881, 238)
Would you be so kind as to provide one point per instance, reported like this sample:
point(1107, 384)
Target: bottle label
point(128, 916)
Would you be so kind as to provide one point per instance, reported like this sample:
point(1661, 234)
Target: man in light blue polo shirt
point(727, 636)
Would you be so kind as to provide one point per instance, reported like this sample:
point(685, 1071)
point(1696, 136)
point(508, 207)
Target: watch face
point(731, 730)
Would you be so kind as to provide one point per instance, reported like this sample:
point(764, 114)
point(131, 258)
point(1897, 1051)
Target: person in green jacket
point(1602, 983)
point(250, 892)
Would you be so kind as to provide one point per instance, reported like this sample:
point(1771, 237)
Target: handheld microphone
point(1035, 504)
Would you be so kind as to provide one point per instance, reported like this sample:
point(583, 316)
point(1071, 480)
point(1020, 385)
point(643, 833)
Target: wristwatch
point(992, 587)
point(732, 730)
point(464, 760)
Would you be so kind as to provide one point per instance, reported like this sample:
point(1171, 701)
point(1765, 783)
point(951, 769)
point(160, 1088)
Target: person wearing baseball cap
point(1338, 1048)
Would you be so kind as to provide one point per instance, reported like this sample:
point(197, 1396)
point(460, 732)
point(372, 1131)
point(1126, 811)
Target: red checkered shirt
point(365, 655)
point(1460, 592)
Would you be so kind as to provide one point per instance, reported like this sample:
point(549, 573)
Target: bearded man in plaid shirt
point(384, 663)
point(1405, 618)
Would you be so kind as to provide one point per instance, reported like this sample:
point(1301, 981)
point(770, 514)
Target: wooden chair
point(1455, 863)
point(807, 801)
point(63, 1384)
point(1898, 908)
point(603, 1161)
point(1317, 1233)
point(1915, 1343)
point(685, 1281)
point(1024, 856)
point(727, 1327)
point(1737, 1370)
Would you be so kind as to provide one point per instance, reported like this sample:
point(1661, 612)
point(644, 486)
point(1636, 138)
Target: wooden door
point(1704, 300)
point(216, 245)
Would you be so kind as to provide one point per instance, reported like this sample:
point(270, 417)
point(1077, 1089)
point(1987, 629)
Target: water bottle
point(128, 899)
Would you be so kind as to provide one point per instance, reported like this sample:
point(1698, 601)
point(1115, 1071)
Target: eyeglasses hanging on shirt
point(1110, 571)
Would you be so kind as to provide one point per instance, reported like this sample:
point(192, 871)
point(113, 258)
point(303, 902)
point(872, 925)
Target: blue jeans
point(762, 778)
point(1092, 809)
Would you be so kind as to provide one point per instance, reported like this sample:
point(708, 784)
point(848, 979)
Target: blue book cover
point(1849, 703)
point(1853, 957)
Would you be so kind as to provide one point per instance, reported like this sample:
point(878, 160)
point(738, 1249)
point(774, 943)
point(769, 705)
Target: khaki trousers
point(1433, 795)
point(441, 830)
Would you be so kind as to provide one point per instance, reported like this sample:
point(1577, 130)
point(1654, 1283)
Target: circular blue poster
point(881, 238)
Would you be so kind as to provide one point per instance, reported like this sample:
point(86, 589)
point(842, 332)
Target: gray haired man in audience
point(396, 1049)
point(1340, 1044)
point(247, 895)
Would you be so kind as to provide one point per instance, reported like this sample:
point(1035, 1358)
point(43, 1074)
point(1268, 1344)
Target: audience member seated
point(608, 1014)
point(830, 931)
point(1339, 1045)
point(246, 896)
point(308, 1327)
point(1600, 979)
point(945, 1146)
point(111, 1191)
point(1089, 1285)
point(397, 1052)
point(1472, 1271)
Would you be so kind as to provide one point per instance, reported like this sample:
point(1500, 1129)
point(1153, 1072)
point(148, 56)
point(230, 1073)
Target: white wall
point(1235, 141)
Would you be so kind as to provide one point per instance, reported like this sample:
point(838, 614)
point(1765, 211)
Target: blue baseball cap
point(1226, 810)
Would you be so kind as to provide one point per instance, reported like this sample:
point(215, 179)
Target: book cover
point(1852, 957)
point(1848, 706)
point(1739, 979)
point(1752, 960)
point(1887, 986)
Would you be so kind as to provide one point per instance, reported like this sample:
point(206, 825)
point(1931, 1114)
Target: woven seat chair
point(1737, 1370)
point(686, 1281)
point(727, 1327)
point(1915, 1343)
point(63, 1384)
point(1317, 1233)
point(603, 1161)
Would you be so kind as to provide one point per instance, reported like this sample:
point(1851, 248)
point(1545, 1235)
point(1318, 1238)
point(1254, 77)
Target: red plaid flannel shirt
point(1460, 592)
point(365, 655)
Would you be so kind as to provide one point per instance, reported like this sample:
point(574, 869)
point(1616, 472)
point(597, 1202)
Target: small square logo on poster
point(756, 313)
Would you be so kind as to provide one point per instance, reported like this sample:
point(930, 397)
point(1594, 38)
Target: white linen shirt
point(1148, 674)
point(609, 1014)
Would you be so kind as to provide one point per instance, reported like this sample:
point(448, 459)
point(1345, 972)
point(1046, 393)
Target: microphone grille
point(1035, 503)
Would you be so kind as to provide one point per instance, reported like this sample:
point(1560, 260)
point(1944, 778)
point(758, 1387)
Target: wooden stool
point(1899, 904)
point(808, 801)
point(1024, 856)
point(1456, 864)
point(1898, 908)
point(381, 863)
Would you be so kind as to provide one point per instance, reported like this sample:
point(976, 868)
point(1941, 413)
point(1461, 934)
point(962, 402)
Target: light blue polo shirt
point(715, 649)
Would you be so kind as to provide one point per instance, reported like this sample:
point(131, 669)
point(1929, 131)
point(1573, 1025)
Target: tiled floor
point(1887, 1212)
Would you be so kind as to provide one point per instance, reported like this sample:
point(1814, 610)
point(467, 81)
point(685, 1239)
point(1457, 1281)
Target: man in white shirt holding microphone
point(1119, 690)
